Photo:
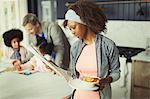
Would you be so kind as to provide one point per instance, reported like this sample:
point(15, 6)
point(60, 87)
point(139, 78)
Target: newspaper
point(51, 64)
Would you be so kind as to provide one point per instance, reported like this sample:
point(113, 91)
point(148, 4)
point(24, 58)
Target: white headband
point(71, 15)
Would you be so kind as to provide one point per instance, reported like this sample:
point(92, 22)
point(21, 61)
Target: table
point(34, 86)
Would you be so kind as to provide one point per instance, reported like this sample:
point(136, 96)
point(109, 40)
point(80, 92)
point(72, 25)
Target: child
point(35, 63)
point(14, 51)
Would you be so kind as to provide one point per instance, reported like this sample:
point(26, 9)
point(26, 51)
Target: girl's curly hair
point(90, 14)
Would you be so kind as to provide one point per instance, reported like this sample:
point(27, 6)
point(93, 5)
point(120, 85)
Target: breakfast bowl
point(89, 81)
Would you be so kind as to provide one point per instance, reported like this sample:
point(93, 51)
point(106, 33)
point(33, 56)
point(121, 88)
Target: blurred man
point(54, 35)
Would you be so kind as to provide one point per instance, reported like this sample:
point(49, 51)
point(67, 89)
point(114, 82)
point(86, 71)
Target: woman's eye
point(73, 27)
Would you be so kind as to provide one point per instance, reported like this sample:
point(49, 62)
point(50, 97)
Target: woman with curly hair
point(93, 54)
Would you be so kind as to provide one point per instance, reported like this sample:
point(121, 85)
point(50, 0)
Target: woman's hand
point(102, 82)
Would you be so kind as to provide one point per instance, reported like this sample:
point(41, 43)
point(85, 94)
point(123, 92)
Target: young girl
point(14, 52)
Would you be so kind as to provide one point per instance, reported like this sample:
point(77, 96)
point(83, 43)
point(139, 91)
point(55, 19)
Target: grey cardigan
point(107, 60)
point(53, 33)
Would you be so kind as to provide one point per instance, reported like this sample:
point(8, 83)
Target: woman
point(94, 54)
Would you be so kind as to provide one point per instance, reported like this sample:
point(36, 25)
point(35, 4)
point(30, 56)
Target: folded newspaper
point(51, 64)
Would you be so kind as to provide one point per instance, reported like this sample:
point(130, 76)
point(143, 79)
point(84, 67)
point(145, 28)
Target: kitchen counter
point(142, 57)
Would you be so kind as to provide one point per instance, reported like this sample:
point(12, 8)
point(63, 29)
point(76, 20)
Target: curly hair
point(11, 34)
point(90, 14)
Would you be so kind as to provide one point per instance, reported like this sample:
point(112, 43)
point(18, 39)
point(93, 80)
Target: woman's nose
point(73, 32)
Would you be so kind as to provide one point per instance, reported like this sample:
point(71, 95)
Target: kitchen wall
point(126, 33)
point(129, 33)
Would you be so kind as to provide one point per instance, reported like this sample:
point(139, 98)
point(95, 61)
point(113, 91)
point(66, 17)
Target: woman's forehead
point(71, 23)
